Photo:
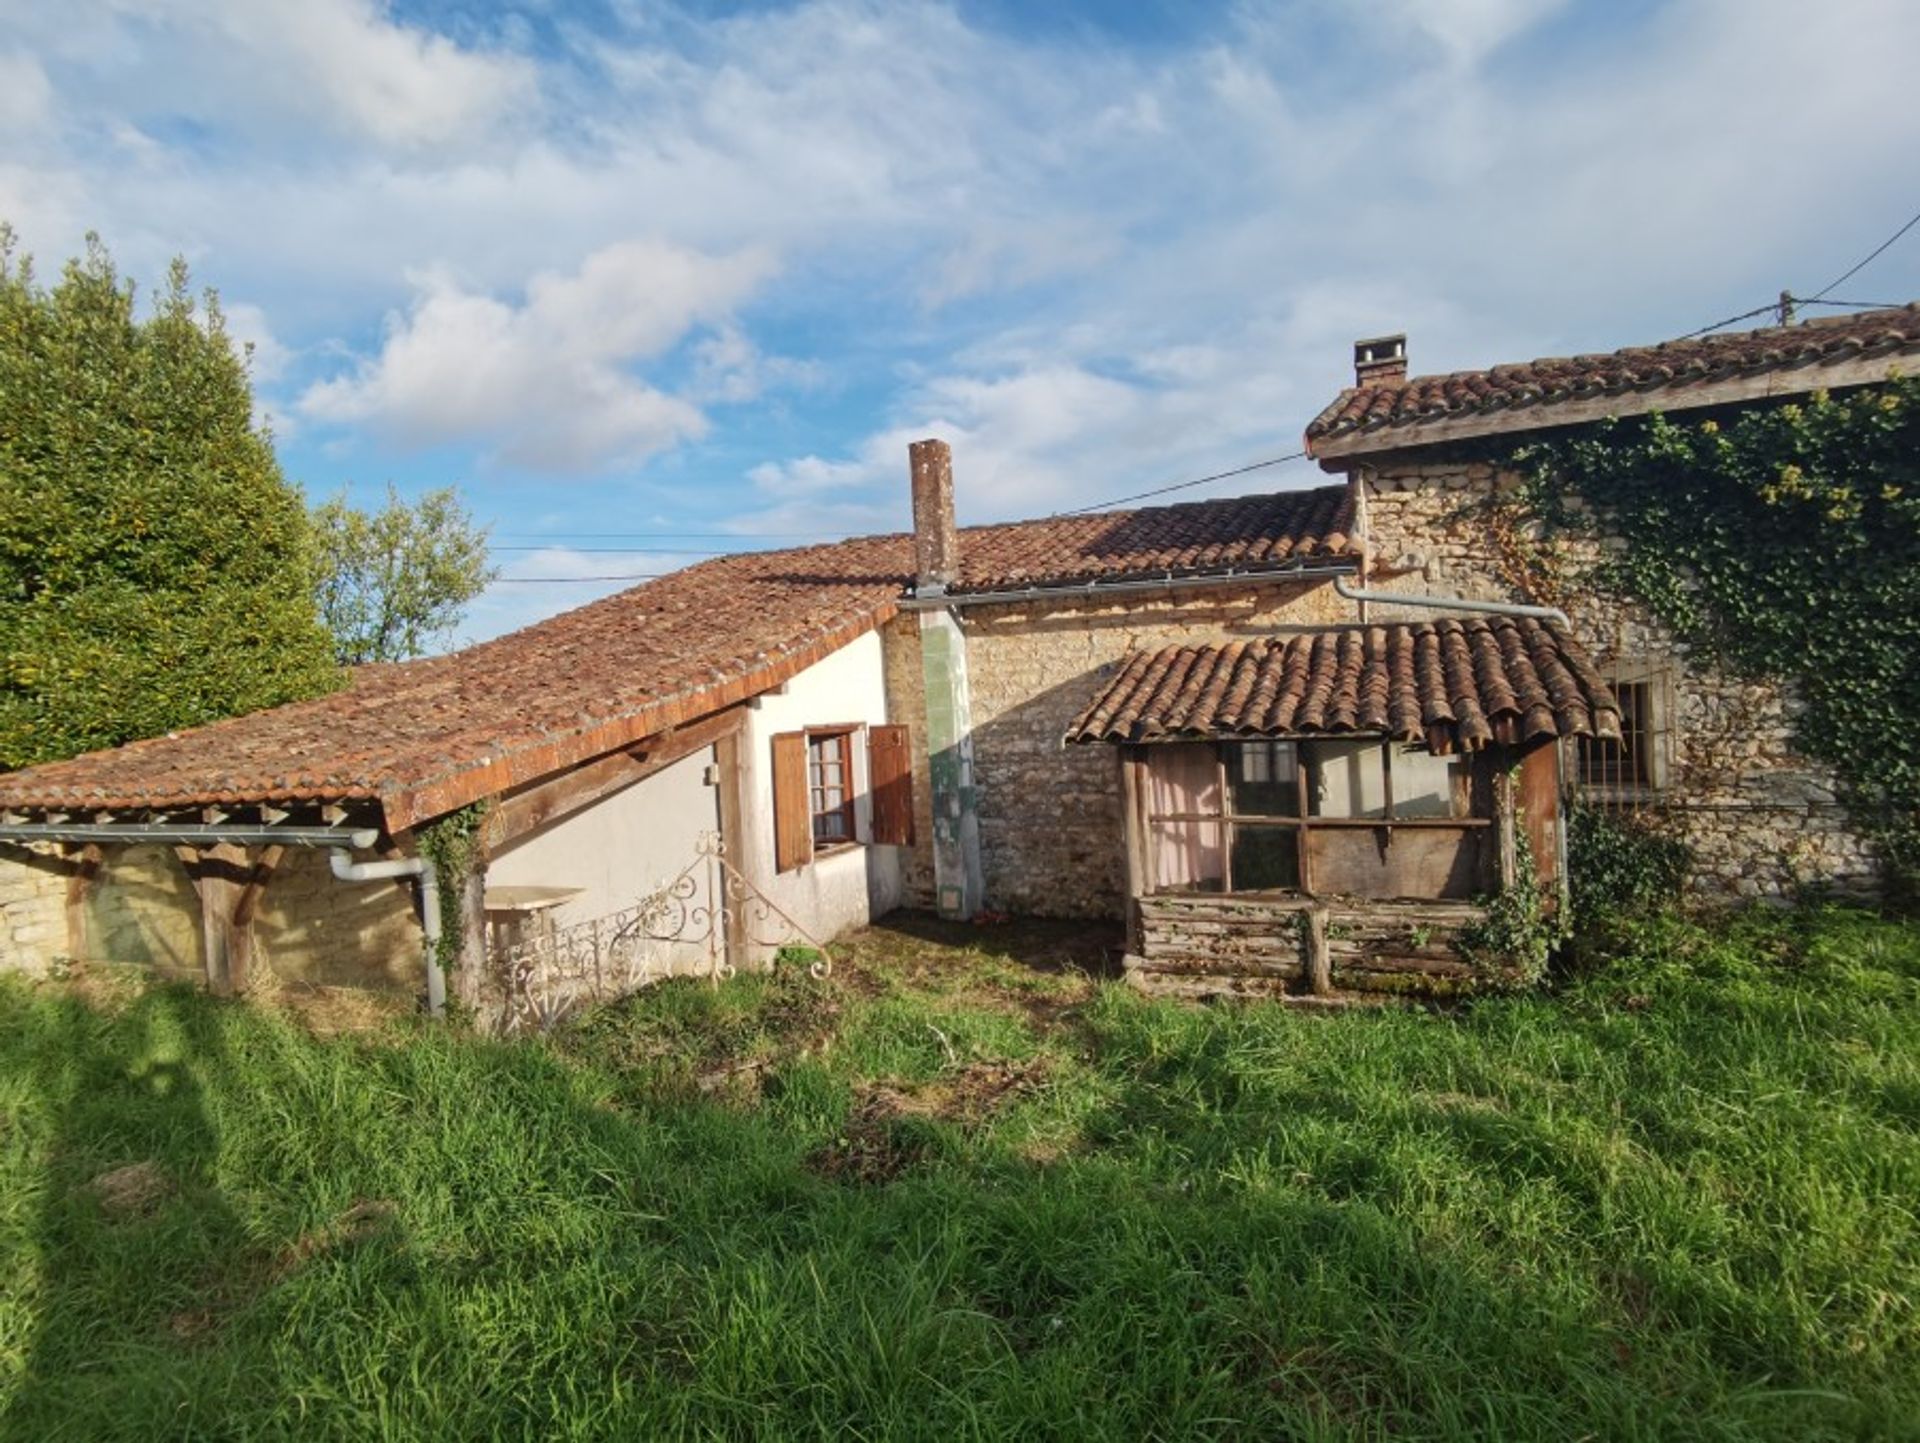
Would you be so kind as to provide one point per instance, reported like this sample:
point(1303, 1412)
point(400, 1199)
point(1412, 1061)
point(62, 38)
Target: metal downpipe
point(345, 869)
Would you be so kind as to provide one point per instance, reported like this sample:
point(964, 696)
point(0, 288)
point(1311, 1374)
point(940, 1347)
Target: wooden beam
point(564, 793)
point(80, 885)
point(729, 755)
point(1134, 824)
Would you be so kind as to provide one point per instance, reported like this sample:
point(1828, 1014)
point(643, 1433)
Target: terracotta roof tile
point(424, 737)
point(1673, 373)
point(1456, 685)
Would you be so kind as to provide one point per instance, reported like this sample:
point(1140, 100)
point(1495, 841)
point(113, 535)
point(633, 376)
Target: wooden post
point(469, 925)
point(1319, 964)
point(1504, 833)
point(1134, 825)
point(217, 872)
point(240, 931)
point(80, 885)
point(729, 756)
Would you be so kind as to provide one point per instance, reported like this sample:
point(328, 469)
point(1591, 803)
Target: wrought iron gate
point(708, 904)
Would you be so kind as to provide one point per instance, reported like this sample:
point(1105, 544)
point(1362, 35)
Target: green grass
point(952, 1195)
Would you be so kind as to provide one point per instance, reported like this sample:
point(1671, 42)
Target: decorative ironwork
point(686, 926)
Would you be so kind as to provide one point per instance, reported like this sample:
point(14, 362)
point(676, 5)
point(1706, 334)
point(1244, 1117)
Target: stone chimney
point(1381, 361)
point(936, 541)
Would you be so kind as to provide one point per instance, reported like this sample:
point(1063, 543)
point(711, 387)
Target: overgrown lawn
point(951, 1193)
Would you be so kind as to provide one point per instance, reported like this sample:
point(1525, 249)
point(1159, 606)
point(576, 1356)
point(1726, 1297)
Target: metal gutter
point(193, 834)
point(937, 601)
point(1452, 603)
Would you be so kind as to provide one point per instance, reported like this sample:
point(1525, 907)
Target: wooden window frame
point(1641, 769)
point(1301, 823)
point(848, 808)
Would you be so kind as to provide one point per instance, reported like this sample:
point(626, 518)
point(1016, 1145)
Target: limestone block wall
point(141, 910)
point(1051, 837)
point(33, 916)
point(1762, 819)
point(313, 929)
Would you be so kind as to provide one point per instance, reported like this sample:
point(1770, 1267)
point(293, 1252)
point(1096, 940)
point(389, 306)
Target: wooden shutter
point(890, 777)
point(792, 809)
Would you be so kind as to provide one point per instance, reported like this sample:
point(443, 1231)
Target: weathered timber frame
point(1509, 791)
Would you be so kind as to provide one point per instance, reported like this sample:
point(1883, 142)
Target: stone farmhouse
point(1257, 730)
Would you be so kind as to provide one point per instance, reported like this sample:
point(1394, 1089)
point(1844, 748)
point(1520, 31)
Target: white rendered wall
point(621, 849)
point(851, 886)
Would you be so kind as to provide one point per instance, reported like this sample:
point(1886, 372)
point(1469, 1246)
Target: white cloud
point(25, 96)
point(265, 66)
point(546, 384)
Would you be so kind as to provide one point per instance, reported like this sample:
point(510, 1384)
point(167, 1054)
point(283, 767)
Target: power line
point(573, 580)
point(616, 550)
point(1766, 310)
point(1853, 305)
point(558, 536)
point(1185, 485)
point(1870, 256)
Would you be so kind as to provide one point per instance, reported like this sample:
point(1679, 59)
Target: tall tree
point(395, 581)
point(156, 569)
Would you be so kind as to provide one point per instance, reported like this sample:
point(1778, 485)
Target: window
point(830, 786)
point(824, 800)
point(1637, 762)
point(1311, 815)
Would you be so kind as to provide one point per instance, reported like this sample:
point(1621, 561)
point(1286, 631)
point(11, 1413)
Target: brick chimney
point(1381, 361)
point(936, 541)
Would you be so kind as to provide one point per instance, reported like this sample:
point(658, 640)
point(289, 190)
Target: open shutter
point(792, 815)
point(890, 776)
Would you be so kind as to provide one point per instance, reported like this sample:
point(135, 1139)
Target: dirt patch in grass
point(365, 1219)
point(1045, 969)
point(131, 1191)
point(883, 1137)
point(877, 1144)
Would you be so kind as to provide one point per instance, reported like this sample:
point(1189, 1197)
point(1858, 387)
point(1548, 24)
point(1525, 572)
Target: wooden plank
point(1539, 800)
point(890, 783)
point(563, 793)
point(792, 813)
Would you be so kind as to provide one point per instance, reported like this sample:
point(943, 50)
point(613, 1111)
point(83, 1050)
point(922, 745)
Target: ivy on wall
point(454, 844)
point(1784, 542)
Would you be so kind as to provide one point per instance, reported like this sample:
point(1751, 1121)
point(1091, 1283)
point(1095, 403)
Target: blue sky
point(681, 277)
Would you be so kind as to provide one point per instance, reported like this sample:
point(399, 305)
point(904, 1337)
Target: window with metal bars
point(1636, 764)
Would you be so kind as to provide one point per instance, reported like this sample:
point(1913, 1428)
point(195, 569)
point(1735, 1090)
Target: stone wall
point(1051, 835)
point(1761, 818)
point(33, 908)
point(141, 910)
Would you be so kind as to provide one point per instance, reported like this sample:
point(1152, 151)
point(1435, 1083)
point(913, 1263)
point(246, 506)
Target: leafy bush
point(1620, 867)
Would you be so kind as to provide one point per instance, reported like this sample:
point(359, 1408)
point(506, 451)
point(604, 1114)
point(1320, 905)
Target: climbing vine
point(454, 845)
point(1521, 925)
point(1784, 542)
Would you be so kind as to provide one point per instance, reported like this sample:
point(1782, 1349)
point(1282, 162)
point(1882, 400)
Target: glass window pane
point(1347, 778)
point(1261, 778)
point(1187, 856)
point(1183, 778)
point(1425, 785)
point(1265, 858)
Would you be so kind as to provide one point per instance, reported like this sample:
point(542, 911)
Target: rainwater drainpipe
point(1451, 603)
point(345, 869)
